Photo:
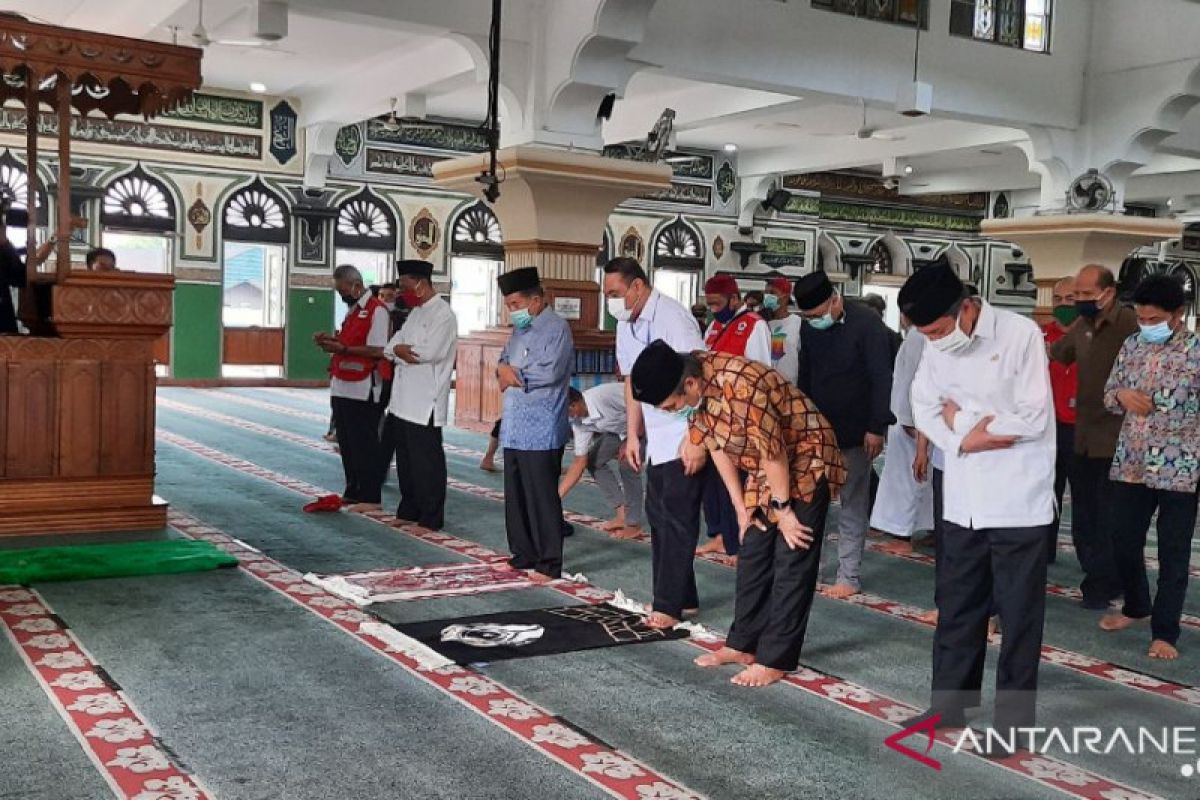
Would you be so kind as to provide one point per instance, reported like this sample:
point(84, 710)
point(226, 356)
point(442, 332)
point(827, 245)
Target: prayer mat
point(82, 562)
point(421, 583)
point(538, 632)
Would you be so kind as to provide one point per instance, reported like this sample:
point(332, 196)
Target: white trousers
point(903, 505)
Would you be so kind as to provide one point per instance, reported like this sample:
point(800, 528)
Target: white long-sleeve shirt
point(423, 389)
point(1003, 374)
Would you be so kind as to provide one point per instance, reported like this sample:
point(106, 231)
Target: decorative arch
point(138, 201)
point(476, 232)
point(605, 253)
point(881, 259)
point(365, 222)
point(256, 213)
point(14, 183)
point(678, 245)
point(1187, 275)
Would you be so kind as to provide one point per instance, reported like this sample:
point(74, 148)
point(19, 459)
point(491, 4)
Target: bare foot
point(839, 591)
point(537, 577)
point(330, 437)
point(993, 626)
point(628, 532)
point(929, 617)
point(757, 675)
point(896, 546)
point(613, 525)
point(1160, 649)
point(487, 465)
point(713, 545)
point(1117, 621)
point(726, 655)
point(660, 621)
point(359, 508)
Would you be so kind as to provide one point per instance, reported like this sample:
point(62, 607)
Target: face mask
point(687, 412)
point(1065, 314)
point(724, 315)
point(822, 323)
point(410, 298)
point(1156, 334)
point(348, 300)
point(1089, 309)
point(521, 318)
point(770, 302)
point(617, 310)
point(955, 342)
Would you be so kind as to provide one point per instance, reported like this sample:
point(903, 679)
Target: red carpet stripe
point(1060, 775)
point(615, 772)
point(120, 742)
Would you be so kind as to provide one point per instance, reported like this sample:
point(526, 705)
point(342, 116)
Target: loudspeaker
point(606, 106)
point(777, 199)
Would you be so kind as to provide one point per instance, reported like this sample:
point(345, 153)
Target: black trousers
point(1133, 506)
point(719, 514)
point(981, 572)
point(673, 510)
point(1064, 471)
point(775, 588)
point(420, 470)
point(356, 423)
point(1091, 528)
point(532, 509)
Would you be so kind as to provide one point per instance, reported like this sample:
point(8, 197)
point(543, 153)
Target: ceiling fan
point(200, 37)
point(864, 132)
point(392, 123)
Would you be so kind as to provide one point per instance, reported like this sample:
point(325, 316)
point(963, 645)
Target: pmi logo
point(926, 726)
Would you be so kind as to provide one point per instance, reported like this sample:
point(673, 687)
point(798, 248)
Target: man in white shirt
point(905, 502)
point(423, 354)
point(785, 328)
point(982, 395)
point(358, 372)
point(599, 426)
point(674, 475)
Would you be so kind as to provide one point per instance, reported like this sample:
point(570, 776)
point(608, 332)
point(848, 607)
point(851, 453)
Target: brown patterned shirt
point(752, 413)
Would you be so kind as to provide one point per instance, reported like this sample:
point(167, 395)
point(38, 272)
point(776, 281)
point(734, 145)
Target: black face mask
point(348, 300)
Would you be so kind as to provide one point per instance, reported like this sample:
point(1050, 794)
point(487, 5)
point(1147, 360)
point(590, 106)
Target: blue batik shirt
point(535, 414)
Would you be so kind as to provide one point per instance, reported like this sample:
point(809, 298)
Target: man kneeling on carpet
point(750, 418)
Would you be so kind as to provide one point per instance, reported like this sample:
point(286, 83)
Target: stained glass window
point(1013, 23)
point(902, 12)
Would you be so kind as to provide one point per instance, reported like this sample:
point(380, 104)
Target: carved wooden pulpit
point(77, 396)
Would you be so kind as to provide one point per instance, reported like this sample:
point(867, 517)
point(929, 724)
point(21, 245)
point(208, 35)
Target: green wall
point(196, 342)
point(309, 311)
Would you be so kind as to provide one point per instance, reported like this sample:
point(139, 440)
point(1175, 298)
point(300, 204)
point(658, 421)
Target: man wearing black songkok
point(846, 368)
point(982, 395)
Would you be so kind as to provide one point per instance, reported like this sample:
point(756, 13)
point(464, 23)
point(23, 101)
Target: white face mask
point(954, 342)
point(617, 310)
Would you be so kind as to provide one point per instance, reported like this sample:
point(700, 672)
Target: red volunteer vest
point(731, 339)
point(355, 330)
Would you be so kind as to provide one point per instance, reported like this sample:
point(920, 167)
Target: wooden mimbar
point(77, 396)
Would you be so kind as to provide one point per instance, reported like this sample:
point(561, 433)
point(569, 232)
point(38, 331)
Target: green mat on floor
point(81, 562)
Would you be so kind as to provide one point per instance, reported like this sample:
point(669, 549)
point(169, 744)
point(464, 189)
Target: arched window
point(137, 213)
point(365, 223)
point(476, 232)
point(137, 201)
point(678, 246)
point(14, 186)
point(256, 213)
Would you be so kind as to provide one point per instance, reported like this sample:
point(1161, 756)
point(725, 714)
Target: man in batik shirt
point(750, 418)
point(1156, 385)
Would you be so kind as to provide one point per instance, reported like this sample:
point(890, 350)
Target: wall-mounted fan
point(200, 37)
point(1090, 192)
point(392, 123)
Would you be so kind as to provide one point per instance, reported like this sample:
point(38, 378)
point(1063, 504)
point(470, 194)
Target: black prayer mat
point(539, 632)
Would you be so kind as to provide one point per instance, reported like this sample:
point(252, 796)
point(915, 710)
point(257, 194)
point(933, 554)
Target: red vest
point(1064, 378)
point(731, 339)
point(355, 330)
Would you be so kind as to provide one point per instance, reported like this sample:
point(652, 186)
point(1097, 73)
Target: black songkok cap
point(519, 280)
point(930, 293)
point(656, 373)
point(414, 267)
point(812, 290)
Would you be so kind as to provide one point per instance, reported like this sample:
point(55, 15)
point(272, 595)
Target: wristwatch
point(780, 505)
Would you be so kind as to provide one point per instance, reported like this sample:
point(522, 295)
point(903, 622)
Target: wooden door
point(254, 346)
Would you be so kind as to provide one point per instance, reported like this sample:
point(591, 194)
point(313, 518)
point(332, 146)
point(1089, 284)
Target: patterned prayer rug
point(421, 583)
